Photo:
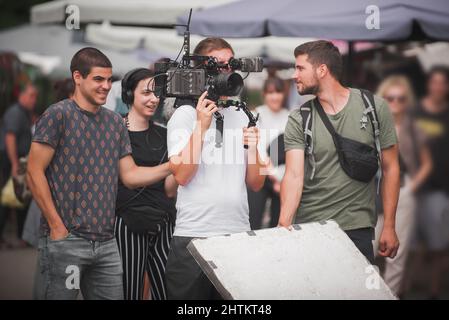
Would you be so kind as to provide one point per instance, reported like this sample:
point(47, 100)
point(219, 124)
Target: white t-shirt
point(215, 201)
point(271, 124)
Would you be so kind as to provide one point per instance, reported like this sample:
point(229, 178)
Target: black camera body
point(196, 74)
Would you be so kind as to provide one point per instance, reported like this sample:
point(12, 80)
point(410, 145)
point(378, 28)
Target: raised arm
point(257, 168)
point(134, 176)
point(185, 164)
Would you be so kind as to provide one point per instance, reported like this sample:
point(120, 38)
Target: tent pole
point(350, 64)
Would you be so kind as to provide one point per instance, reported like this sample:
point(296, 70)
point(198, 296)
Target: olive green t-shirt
point(332, 194)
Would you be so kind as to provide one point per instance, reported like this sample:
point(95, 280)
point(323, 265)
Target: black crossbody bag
point(142, 219)
point(358, 160)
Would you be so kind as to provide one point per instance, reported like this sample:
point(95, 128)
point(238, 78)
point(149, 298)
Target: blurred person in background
point(64, 89)
point(415, 166)
point(432, 118)
point(272, 121)
point(114, 100)
point(15, 141)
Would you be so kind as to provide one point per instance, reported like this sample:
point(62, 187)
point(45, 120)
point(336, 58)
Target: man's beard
point(91, 99)
point(309, 90)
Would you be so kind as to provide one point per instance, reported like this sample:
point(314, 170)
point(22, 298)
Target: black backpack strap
point(306, 115)
point(370, 110)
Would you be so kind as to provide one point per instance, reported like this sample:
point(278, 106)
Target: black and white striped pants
point(140, 253)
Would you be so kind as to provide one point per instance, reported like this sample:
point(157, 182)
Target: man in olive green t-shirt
point(331, 193)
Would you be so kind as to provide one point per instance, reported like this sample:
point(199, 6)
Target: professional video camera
point(194, 74)
point(187, 80)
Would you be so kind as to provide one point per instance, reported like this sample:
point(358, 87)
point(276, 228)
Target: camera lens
point(228, 84)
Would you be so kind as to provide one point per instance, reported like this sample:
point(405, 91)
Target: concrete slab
point(313, 261)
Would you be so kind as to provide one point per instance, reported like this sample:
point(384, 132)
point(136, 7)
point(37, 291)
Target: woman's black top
point(149, 149)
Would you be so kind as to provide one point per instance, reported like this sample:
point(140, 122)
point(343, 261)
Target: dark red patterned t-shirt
point(83, 173)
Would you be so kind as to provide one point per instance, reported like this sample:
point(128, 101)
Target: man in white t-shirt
point(212, 198)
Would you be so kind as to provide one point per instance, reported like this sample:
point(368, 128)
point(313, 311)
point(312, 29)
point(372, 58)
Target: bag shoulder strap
point(326, 121)
point(329, 127)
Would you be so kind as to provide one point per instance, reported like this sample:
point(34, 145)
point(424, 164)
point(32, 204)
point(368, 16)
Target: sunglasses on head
point(400, 99)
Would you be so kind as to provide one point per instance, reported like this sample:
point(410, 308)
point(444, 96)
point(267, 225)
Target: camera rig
point(194, 74)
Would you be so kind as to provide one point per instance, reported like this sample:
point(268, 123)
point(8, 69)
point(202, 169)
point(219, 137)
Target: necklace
point(127, 121)
point(147, 135)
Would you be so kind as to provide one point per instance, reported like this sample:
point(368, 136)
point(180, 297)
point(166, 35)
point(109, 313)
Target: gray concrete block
point(313, 261)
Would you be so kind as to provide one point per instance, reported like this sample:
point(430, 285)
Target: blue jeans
point(72, 264)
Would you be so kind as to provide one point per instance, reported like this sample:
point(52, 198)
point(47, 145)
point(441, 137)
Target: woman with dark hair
point(432, 118)
point(145, 216)
point(272, 121)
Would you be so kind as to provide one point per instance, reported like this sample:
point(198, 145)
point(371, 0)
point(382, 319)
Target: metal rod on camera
point(242, 106)
point(252, 120)
point(218, 129)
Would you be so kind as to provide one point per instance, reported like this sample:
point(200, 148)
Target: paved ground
point(16, 273)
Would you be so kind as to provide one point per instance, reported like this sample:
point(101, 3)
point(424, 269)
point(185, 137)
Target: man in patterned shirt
point(79, 149)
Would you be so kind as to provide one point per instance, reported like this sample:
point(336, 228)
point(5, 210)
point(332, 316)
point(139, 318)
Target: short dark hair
point(440, 69)
point(210, 44)
point(130, 82)
point(275, 83)
point(322, 52)
point(86, 59)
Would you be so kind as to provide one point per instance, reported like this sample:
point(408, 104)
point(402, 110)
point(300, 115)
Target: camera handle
point(218, 129)
point(252, 120)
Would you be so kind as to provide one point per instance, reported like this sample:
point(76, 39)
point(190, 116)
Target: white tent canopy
point(431, 54)
point(135, 12)
point(52, 47)
point(166, 42)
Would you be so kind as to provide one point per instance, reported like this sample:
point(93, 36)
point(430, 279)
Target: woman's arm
point(424, 170)
point(170, 186)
